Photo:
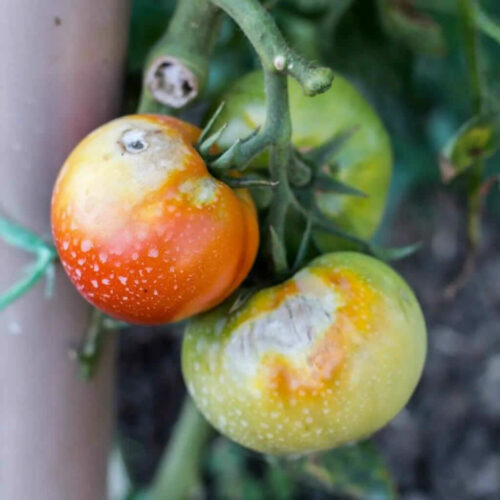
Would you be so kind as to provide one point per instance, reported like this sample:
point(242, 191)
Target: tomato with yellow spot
point(144, 232)
point(326, 358)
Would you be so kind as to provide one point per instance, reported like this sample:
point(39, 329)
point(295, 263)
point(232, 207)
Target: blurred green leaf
point(477, 139)
point(300, 33)
point(309, 6)
point(354, 471)
point(281, 486)
point(488, 24)
point(394, 253)
point(148, 20)
point(357, 471)
point(231, 478)
point(418, 31)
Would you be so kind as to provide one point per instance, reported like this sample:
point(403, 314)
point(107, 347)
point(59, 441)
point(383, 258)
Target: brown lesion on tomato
point(323, 367)
point(309, 379)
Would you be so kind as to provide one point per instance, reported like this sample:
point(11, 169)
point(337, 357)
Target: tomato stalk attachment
point(90, 352)
point(177, 67)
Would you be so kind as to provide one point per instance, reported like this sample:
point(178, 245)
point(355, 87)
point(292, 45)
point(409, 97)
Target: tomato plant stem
point(178, 475)
point(468, 14)
point(92, 346)
point(278, 120)
point(177, 66)
point(468, 21)
point(275, 55)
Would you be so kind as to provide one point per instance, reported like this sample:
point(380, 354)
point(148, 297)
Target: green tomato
point(364, 161)
point(323, 359)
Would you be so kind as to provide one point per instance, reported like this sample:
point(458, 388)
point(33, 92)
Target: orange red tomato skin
point(142, 229)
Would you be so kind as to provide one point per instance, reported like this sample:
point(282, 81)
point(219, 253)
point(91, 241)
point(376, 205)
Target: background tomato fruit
point(325, 358)
point(364, 161)
point(142, 229)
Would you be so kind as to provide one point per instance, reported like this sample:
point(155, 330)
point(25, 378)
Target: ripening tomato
point(142, 229)
point(323, 359)
point(364, 161)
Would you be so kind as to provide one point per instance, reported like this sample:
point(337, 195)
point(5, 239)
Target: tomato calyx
point(229, 173)
point(309, 173)
point(312, 172)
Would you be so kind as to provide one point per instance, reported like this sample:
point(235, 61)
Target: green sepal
point(394, 253)
point(299, 170)
point(227, 159)
point(233, 157)
point(328, 184)
point(278, 252)
point(322, 154)
point(210, 124)
point(242, 296)
point(248, 182)
point(205, 146)
point(304, 245)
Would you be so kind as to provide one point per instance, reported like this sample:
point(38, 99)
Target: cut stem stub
point(171, 82)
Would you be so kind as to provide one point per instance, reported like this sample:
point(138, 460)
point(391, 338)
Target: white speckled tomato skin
point(326, 358)
point(142, 229)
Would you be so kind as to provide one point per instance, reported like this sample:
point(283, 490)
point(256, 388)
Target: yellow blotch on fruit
point(326, 358)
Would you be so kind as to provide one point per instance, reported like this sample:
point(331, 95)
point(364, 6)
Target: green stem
point(467, 14)
point(177, 67)
point(485, 23)
point(278, 119)
point(178, 476)
point(90, 352)
point(275, 55)
point(276, 130)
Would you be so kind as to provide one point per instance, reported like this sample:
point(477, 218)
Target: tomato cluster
point(147, 235)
